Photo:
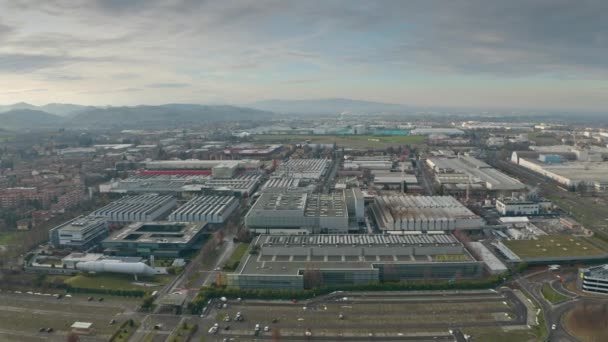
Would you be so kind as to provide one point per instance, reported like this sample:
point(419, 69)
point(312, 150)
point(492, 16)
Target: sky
point(475, 53)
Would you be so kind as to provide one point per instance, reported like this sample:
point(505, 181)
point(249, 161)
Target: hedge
point(206, 293)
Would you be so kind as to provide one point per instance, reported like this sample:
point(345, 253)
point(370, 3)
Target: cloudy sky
point(479, 53)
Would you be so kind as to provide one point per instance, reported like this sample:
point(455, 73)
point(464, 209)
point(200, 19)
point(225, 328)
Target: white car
point(553, 326)
point(266, 329)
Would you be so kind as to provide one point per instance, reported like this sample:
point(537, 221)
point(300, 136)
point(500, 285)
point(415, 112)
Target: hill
point(19, 119)
point(60, 109)
point(165, 116)
point(329, 106)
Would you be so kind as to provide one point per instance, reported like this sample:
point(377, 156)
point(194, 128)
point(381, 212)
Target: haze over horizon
point(513, 54)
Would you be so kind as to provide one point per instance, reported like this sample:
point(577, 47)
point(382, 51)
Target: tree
point(72, 337)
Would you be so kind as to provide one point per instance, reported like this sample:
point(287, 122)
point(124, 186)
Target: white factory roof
point(303, 168)
point(476, 170)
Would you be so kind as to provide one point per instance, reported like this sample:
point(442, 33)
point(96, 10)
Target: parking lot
point(381, 316)
point(23, 315)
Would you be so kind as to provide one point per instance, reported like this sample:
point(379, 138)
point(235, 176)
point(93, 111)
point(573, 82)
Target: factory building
point(304, 213)
point(287, 184)
point(398, 214)
point(518, 207)
point(593, 279)
point(294, 262)
point(206, 208)
point(456, 174)
point(197, 164)
point(163, 184)
point(79, 234)
point(313, 169)
point(165, 239)
point(568, 172)
point(142, 208)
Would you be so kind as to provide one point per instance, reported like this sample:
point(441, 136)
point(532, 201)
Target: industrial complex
point(169, 239)
point(303, 213)
point(205, 208)
point(79, 234)
point(457, 174)
point(395, 214)
point(296, 262)
point(143, 208)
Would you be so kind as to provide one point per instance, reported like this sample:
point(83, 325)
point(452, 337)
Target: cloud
point(168, 85)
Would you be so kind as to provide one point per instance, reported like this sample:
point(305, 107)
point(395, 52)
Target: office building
point(79, 234)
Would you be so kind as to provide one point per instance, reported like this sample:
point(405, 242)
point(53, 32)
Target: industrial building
point(517, 207)
point(197, 164)
point(593, 279)
point(287, 184)
point(568, 172)
point(384, 163)
point(458, 174)
point(167, 239)
point(305, 213)
point(206, 208)
point(164, 184)
point(242, 185)
point(398, 214)
point(303, 168)
point(142, 208)
point(294, 262)
point(394, 180)
point(79, 234)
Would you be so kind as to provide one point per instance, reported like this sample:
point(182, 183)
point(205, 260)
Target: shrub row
point(207, 293)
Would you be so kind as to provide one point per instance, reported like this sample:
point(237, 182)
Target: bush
point(207, 293)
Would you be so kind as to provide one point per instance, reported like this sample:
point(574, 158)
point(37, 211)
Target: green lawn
point(551, 295)
point(543, 139)
point(7, 238)
point(586, 210)
point(236, 256)
point(549, 246)
point(355, 141)
point(126, 332)
point(115, 282)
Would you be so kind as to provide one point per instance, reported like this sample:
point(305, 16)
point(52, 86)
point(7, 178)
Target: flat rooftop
point(80, 224)
point(477, 171)
point(290, 254)
point(553, 246)
point(157, 232)
point(577, 170)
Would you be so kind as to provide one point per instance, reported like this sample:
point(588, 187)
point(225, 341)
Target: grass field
point(543, 139)
point(115, 282)
point(551, 295)
point(550, 246)
point(236, 257)
point(8, 237)
point(355, 141)
point(590, 212)
point(588, 322)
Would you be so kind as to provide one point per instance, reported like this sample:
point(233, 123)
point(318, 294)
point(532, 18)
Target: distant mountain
point(164, 116)
point(61, 109)
point(328, 106)
point(19, 119)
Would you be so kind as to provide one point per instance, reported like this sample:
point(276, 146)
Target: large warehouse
point(79, 234)
point(294, 262)
point(205, 208)
point(143, 208)
point(303, 168)
point(568, 173)
point(168, 239)
point(458, 173)
point(402, 213)
point(305, 213)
